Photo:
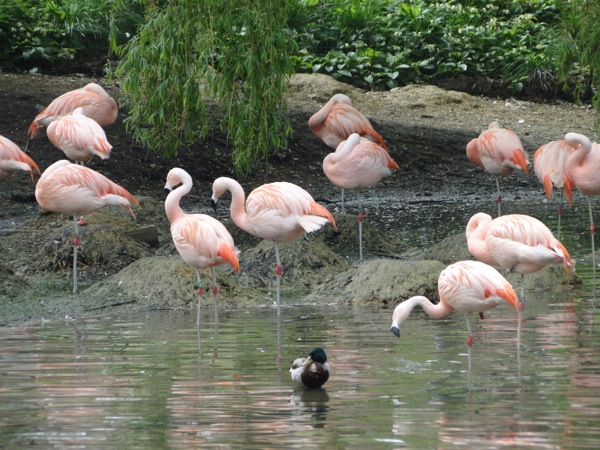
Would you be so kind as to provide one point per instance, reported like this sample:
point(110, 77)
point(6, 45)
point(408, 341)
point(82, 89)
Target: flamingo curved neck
point(476, 234)
point(403, 310)
point(237, 207)
point(172, 207)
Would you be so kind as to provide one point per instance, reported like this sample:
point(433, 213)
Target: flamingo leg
point(592, 232)
point(200, 292)
point(469, 340)
point(523, 288)
point(214, 290)
point(361, 218)
point(499, 198)
point(560, 211)
point(278, 270)
point(343, 206)
point(75, 248)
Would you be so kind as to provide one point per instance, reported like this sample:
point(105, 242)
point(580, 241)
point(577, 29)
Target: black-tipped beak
point(167, 190)
point(396, 331)
point(214, 205)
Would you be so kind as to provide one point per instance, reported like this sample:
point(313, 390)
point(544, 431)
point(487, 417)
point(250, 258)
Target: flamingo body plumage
point(358, 163)
point(465, 286)
point(13, 159)
point(279, 212)
point(75, 190)
point(549, 164)
point(201, 240)
point(94, 101)
point(515, 242)
point(499, 151)
point(79, 137)
point(338, 119)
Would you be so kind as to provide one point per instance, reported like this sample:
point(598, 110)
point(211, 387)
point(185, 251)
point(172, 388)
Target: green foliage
point(49, 34)
point(233, 52)
point(385, 43)
point(574, 46)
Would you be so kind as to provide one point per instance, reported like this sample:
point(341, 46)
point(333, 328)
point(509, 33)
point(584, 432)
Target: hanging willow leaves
point(235, 53)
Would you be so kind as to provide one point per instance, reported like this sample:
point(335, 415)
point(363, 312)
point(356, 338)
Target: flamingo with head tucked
point(93, 100)
point(278, 212)
point(499, 151)
point(583, 167)
point(74, 190)
point(13, 159)
point(357, 164)
point(337, 120)
point(516, 242)
point(79, 137)
point(202, 241)
point(549, 163)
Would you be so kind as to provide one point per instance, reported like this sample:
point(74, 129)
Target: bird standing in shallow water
point(499, 151)
point(278, 212)
point(549, 164)
point(515, 242)
point(358, 164)
point(465, 286)
point(583, 167)
point(337, 120)
point(75, 190)
point(311, 372)
point(202, 241)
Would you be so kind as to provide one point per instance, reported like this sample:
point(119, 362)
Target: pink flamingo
point(465, 286)
point(583, 167)
point(549, 165)
point(358, 163)
point(74, 190)
point(92, 99)
point(515, 242)
point(279, 212)
point(499, 151)
point(13, 159)
point(79, 137)
point(337, 120)
point(202, 241)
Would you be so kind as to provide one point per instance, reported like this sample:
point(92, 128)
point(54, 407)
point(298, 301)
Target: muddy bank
point(133, 264)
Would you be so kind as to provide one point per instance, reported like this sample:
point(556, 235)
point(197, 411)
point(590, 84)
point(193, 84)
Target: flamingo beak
point(214, 205)
point(167, 190)
point(396, 331)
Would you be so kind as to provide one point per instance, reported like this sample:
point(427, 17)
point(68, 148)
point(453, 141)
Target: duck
point(311, 372)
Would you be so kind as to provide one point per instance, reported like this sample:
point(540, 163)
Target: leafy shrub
point(390, 43)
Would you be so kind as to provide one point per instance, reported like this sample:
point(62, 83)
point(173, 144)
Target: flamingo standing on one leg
point(516, 242)
point(278, 212)
point(358, 163)
point(79, 137)
point(13, 159)
point(549, 163)
point(499, 151)
point(92, 98)
point(465, 286)
point(77, 190)
point(337, 120)
point(583, 167)
point(202, 241)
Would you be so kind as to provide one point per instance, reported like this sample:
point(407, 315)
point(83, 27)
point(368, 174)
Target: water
point(151, 381)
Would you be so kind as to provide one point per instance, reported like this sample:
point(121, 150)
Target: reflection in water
point(146, 381)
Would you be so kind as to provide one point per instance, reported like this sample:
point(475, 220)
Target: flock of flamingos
point(282, 211)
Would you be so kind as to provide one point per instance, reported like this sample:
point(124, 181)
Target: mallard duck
point(311, 372)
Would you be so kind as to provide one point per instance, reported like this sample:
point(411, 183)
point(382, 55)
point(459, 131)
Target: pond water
point(152, 381)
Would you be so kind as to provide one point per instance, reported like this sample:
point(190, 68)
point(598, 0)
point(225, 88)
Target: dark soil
point(426, 129)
